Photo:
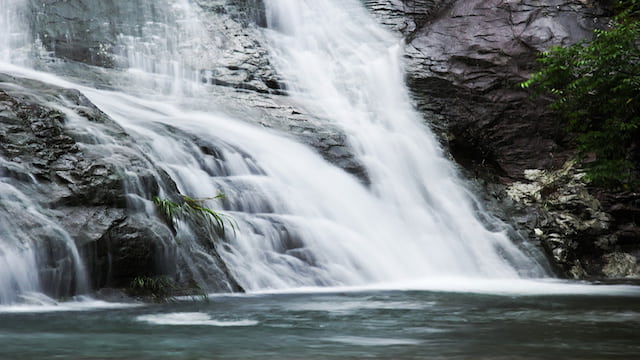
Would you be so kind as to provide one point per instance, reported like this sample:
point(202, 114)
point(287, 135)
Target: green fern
point(158, 288)
point(193, 208)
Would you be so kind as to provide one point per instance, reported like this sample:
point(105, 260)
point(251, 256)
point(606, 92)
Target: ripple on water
point(372, 341)
point(191, 318)
point(345, 307)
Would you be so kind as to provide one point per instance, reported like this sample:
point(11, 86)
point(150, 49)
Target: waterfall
point(348, 69)
point(301, 221)
point(29, 237)
point(14, 36)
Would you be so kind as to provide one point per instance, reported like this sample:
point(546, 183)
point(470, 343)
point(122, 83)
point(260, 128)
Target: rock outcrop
point(579, 230)
point(84, 175)
point(464, 62)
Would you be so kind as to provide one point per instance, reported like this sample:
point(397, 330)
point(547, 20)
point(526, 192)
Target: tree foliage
point(595, 87)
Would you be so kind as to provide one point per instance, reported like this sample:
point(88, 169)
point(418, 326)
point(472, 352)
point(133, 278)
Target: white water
point(31, 302)
point(301, 221)
point(167, 48)
point(15, 42)
point(348, 68)
point(23, 229)
point(464, 285)
point(192, 318)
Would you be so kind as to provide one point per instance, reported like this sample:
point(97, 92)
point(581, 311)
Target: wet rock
point(242, 59)
point(131, 247)
point(247, 11)
point(578, 232)
point(406, 16)
point(90, 185)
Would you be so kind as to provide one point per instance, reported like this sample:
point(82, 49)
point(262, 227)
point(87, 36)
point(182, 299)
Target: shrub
point(595, 87)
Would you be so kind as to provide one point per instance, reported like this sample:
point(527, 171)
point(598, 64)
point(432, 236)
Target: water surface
point(376, 324)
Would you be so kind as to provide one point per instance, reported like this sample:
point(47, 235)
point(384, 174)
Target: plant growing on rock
point(595, 87)
point(157, 288)
point(193, 209)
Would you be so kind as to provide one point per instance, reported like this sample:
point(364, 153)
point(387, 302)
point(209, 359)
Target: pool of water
point(374, 324)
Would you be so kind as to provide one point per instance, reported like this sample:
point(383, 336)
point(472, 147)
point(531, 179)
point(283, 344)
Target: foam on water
point(498, 287)
point(347, 307)
point(192, 318)
point(40, 303)
point(372, 341)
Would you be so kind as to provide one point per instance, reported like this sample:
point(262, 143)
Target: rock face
point(122, 33)
point(406, 16)
point(583, 235)
point(464, 65)
point(225, 48)
point(78, 169)
point(464, 61)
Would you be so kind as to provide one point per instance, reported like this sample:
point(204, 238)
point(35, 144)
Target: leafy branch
point(595, 88)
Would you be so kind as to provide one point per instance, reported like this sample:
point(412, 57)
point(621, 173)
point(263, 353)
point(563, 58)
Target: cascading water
point(348, 68)
point(28, 237)
point(301, 221)
point(14, 38)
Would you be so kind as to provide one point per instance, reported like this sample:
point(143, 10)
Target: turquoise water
point(338, 325)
